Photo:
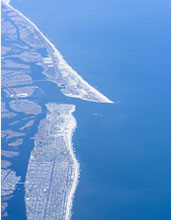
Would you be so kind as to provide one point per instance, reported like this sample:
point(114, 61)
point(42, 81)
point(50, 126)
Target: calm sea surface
point(122, 48)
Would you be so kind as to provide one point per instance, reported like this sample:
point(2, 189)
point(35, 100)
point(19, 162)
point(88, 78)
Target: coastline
point(64, 67)
point(53, 171)
point(76, 169)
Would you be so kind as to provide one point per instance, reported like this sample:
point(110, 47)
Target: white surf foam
point(6, 1)
point(64, 68)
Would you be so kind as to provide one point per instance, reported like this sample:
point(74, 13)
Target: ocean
point(122, 48)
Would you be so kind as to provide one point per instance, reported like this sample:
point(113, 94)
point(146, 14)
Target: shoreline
point(76, 163)
point(64, 66)
point(56, 175)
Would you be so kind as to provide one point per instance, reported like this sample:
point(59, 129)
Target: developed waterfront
point(123, 49)
point(55, 67)
point(52, 170)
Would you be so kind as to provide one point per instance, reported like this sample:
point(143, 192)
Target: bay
point(123, 49)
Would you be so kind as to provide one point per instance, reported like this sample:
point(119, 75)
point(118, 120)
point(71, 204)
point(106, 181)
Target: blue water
point(123, 49)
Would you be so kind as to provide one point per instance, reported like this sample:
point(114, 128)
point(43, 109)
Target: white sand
point(76, 165)
point(65, 68)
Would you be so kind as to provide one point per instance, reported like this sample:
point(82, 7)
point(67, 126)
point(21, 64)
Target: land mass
point(53, 171)
point(55, 67)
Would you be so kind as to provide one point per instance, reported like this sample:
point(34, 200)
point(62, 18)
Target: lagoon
point(123, 49)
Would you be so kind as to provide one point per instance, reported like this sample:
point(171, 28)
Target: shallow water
point(123, 49)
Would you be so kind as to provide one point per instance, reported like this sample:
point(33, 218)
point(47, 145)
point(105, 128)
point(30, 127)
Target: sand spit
point(74, 85)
